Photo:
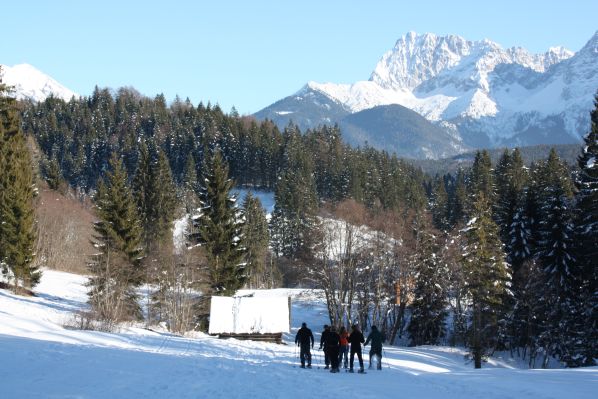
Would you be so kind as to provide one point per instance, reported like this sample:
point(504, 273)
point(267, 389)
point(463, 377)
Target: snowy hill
point(30, 83)
point(492, 96)
point(43, 359)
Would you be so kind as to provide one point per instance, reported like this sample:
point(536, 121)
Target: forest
point(492, 257)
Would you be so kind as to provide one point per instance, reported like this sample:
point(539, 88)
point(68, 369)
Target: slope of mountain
point(397, 129)
point(32, 84)
point(491, 96)
point(307, 109)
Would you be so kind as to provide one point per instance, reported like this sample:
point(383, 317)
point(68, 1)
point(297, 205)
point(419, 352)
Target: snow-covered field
point(42, 359)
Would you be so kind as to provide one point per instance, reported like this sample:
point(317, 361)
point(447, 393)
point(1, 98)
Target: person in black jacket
point(356, 339)
point(376, 337)
point(333, 342)
point(303, 339)
point(324, 344)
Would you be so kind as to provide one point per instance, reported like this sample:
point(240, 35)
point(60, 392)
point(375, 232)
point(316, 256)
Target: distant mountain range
point(473, 94)
point(32, 84)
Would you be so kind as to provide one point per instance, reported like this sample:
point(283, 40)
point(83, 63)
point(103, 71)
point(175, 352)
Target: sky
point(249, 54)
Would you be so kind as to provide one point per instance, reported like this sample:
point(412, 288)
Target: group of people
point(338, 345)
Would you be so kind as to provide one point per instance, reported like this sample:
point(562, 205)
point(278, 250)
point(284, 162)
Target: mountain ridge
point(489, 95)
point(30, 83)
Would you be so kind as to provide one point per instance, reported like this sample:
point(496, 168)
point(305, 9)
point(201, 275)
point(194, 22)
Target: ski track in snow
point(42, 359)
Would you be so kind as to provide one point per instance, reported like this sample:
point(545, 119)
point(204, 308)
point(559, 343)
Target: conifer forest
point(494, 257)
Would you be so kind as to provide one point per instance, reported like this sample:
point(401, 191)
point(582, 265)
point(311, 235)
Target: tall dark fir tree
point(220, 228)
point(17, 223)
point(116, 270)
point(487, 279)
point(586, 233)
point(429, 306)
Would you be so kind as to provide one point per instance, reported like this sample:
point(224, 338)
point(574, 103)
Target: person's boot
point(303, 366)
point(351, 371)
point(361, 370)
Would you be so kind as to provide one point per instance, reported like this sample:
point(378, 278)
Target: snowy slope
point(42, 359)
point(30, 83)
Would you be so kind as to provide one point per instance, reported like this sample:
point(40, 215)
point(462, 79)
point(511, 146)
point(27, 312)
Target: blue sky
point(252, 53)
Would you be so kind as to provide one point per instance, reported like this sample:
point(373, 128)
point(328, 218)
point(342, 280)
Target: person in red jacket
point(344, 348)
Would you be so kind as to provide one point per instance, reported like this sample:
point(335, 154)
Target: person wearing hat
point(303, 339)
point(324, 344)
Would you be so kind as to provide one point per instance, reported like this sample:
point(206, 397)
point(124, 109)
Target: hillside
point(136, 362)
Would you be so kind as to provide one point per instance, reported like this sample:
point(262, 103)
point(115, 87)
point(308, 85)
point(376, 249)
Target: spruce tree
point(189, 187)
point(220, 228)
point(440, 205)
point(17, 223)
point(487, 277)
point(116, 270)
point(429, 306)
point(256, 235)
point(154, 193)
point(586, 233)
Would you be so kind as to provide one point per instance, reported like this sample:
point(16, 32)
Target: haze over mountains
point(475, 92)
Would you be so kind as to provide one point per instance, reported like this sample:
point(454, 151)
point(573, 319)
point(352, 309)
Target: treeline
point(78, 137)
point(527, 254)
point(507, 250)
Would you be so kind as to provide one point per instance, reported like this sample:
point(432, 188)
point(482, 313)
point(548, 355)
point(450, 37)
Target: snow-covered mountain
point(490, 95)
point(32, 84)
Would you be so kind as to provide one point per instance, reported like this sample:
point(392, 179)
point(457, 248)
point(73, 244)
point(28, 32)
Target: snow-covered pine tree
point(586, 233)
point(296, 200)
point(220, 228)
point(17, 222)
point(487, 277)
point(256, 234)
point(439, 204)
point(560, 276)
point(429, 306)
point(116, 270)
point(154, 192)
point(511, 178)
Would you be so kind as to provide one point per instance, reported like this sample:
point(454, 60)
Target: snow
point(265, 197)
point(247, 315)
point(43, 359)
point(31, 83)
point(178, 234)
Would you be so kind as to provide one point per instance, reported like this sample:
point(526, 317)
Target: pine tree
point(256, 235)
point(586, 233)
point(429, 307)
point(189, 187)
point(116, 270)
point(481, 179)
point(220, 228)
point(17, 223)
point(296, 200)
point(458, 199)
point(440, 205)
point(511, 178)
point(487, 277)
point(154, 193)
